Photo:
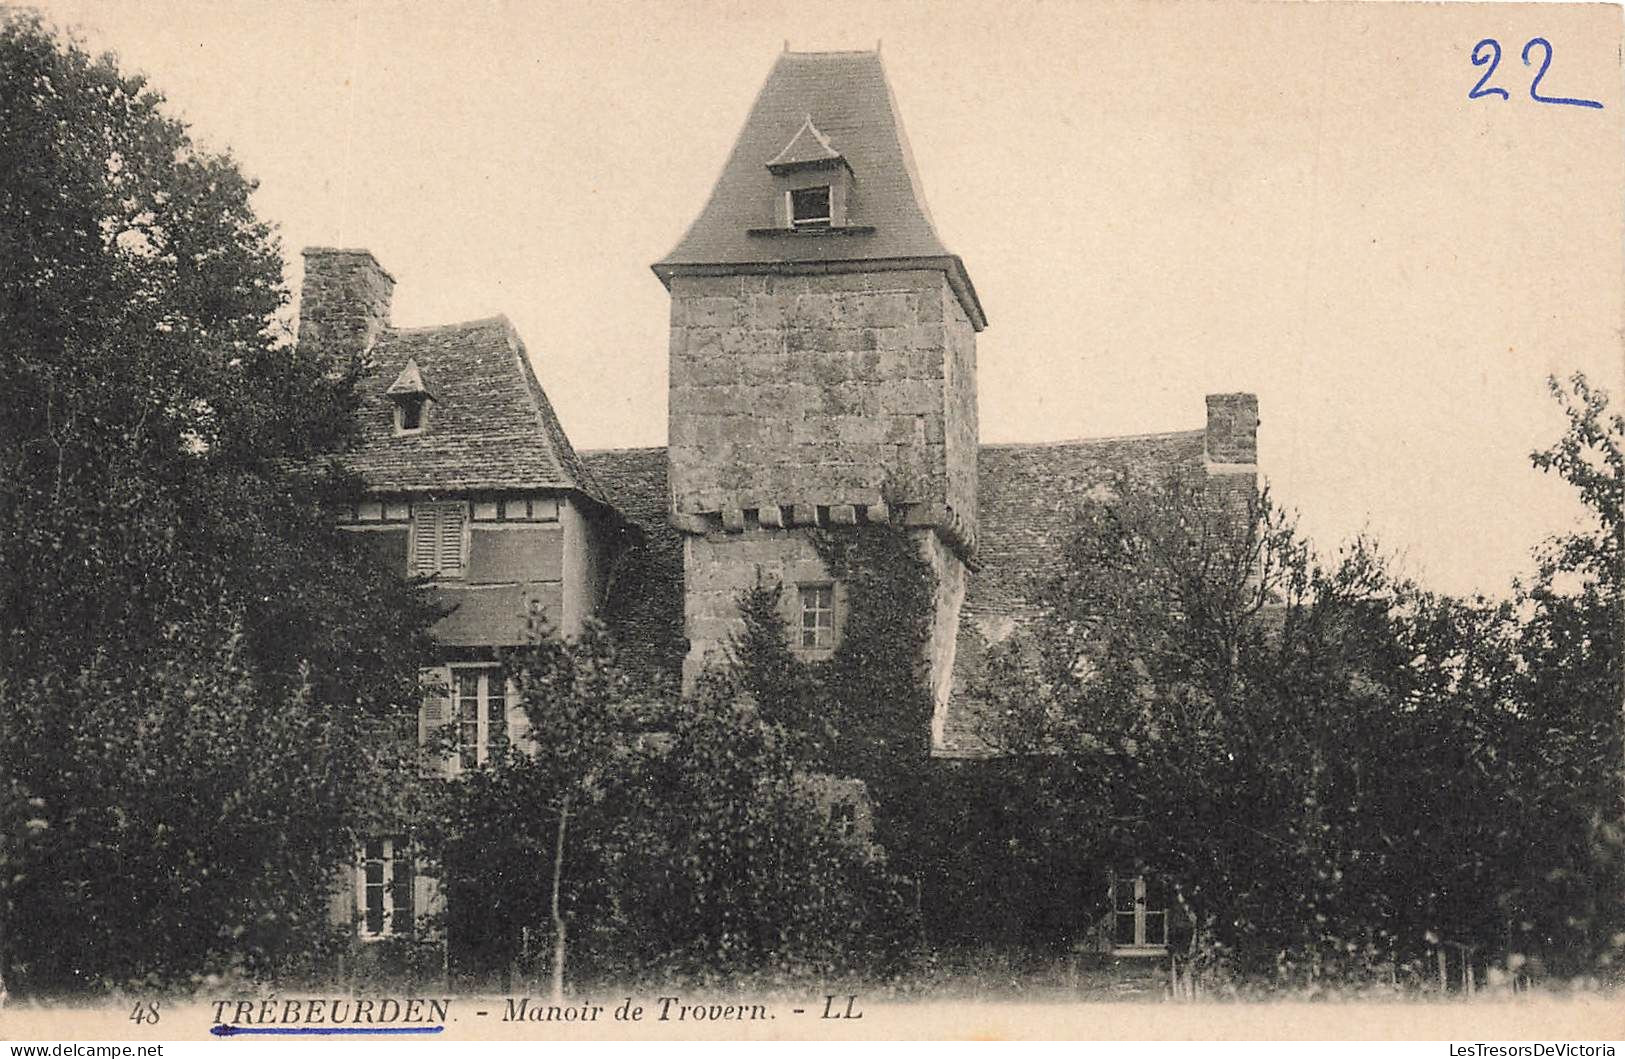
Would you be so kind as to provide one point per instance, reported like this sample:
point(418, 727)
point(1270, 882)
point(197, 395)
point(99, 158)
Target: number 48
point(1493, 57)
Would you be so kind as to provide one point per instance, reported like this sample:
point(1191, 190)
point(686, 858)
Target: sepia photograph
point(698, 521)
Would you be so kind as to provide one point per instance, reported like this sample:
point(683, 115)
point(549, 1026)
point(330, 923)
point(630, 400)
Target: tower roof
point(845, 101)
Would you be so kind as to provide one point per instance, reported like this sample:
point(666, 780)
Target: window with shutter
point(437, 539)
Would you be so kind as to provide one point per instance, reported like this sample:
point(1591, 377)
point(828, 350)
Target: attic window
point(810, 207)
point(409, 413)
point(410, 396)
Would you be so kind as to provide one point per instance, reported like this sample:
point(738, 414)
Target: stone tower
point(823, 358)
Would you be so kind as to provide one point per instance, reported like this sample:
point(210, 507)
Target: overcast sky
point(1155, 201)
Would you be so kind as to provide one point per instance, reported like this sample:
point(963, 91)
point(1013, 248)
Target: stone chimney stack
point(1232, 429)
point(344, 302)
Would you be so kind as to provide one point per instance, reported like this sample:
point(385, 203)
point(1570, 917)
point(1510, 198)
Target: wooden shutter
point(449, 539)
point(437, 539)
point(436, 709)
point(518, 720)
point(425, 535)
point(434, 713)
point(403, 913)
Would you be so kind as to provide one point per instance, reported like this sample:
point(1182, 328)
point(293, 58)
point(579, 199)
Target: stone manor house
point(822, 373)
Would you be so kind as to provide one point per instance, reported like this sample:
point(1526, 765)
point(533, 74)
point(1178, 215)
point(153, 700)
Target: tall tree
point(194, 661)
point(1572, 891)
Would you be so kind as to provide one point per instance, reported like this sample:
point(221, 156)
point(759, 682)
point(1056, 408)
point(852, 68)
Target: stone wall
point(824, 390)
point(962, 438)
point(941, 649)
point(718, 567)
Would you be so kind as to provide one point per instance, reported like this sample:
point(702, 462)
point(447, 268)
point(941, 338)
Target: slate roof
point(846, 95)
point(1027, 495)
point(490, 426)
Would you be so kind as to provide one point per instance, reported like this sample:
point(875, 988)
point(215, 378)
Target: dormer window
point(410, 395)
point(810, 207)
point(409, 414)
point(814, 187)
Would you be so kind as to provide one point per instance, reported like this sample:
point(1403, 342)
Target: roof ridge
point(483, 321)
point(1192, 432)
point(553, 433)
point(613, 452)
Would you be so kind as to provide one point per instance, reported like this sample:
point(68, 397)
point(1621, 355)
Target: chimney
point(344, 302)
point(1232, 428)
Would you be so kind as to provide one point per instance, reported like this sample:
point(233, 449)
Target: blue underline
point(322, 1031)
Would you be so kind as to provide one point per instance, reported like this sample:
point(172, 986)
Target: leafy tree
point(1307, 752)
point(863, 713)
point(680, 837)
point(194, 662)
point(728, 862)
point(1569, 903)
point(584, 707)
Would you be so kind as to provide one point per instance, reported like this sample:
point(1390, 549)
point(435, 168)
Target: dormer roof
point(409, 383)
point(807, 147)
point(844, 99)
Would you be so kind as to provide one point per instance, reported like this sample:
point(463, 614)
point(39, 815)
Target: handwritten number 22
point(1493, 58)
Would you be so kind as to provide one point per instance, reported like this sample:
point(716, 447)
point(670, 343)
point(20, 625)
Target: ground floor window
point(385, 876)
point(1139, 914)
point(843, 816)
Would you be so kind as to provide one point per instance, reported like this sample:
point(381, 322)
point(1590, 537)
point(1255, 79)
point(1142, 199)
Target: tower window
point(810, 207)
point(817, 616)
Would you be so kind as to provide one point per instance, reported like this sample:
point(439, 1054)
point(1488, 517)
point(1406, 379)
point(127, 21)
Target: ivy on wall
point(863, 713)
point(964, 833)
